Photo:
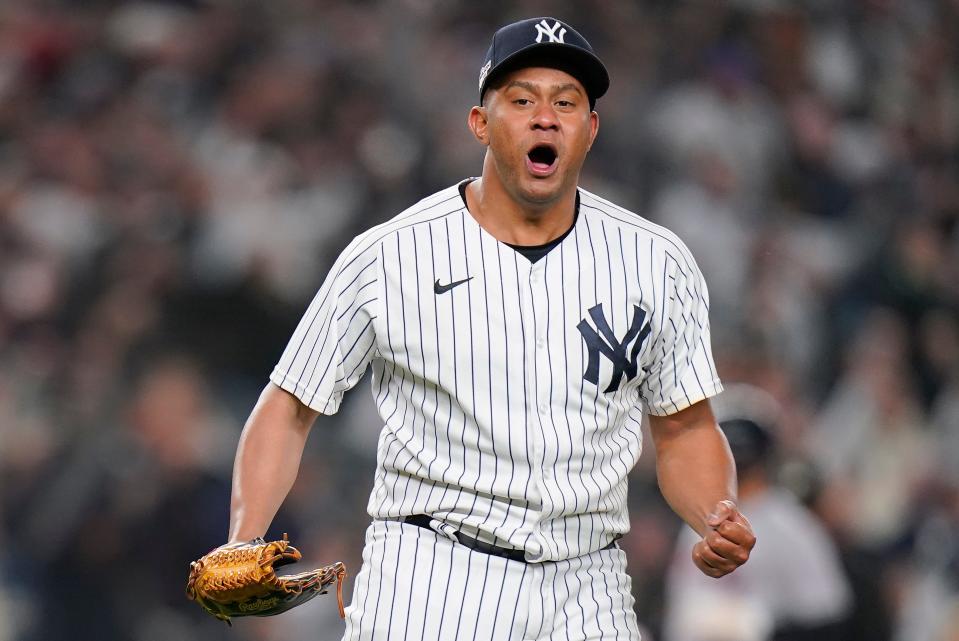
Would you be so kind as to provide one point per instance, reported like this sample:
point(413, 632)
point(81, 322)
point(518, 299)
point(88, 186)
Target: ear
point(479, 124)
point(593, 128)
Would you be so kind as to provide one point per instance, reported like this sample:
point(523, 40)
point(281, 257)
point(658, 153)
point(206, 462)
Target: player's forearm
point(693, 464)
point(267, 460)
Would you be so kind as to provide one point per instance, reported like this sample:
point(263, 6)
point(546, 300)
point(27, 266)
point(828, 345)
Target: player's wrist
point(245, 533)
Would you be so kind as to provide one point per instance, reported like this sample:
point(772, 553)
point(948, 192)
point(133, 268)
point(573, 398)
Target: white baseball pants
point(417, 585)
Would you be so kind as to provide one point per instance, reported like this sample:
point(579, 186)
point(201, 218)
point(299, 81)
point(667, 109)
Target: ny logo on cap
point(543, 29)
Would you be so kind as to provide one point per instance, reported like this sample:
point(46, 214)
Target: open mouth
point(541, 160)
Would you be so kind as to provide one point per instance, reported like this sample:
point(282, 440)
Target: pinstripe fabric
point(418, 585)
point(490, 420)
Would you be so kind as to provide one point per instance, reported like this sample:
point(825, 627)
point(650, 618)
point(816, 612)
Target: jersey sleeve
point(335, 340)
point(682, 371)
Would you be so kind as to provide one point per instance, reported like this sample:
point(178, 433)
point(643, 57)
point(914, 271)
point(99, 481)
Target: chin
point(543, 192)
point(540, 195)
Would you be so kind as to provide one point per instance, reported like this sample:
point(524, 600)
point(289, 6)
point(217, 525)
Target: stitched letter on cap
point(543, 29)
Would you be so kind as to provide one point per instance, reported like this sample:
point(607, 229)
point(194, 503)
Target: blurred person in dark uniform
point(794, 587)
point(118, 517)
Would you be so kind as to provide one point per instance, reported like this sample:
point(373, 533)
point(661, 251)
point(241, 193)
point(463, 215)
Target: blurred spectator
point(793, 586)
point(869, 438)
point(125, 494)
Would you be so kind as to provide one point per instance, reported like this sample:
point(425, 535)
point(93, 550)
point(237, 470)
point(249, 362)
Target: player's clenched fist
point(726, 544)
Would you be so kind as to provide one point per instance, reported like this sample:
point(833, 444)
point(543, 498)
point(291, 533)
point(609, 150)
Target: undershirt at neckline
point(532, 252)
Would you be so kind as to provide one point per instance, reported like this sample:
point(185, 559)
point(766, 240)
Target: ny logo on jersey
point(556, 33)
point(611, 347)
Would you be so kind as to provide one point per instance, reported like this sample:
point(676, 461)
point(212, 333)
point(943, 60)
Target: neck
point(511, 221)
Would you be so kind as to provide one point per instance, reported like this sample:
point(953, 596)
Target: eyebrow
point(529, 86)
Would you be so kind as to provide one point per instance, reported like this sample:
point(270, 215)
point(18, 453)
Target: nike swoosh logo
point(442, 289)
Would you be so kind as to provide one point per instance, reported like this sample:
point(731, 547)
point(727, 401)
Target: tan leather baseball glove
point(240, 580)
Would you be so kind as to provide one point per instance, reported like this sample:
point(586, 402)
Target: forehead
point(542, 77)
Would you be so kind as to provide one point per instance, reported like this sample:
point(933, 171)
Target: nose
point(544, 117)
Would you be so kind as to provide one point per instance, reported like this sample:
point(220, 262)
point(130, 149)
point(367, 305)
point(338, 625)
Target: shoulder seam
point(375, 235)
point(644, 225)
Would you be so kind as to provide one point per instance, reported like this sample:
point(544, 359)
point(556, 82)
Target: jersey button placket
point(534, 444)
point(539, 390)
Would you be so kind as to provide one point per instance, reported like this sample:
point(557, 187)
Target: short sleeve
point(335, 340)
point(682, 371)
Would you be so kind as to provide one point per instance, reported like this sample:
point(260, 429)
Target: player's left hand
point(240, 579)
point(727, 542)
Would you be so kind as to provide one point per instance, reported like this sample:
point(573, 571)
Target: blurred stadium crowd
point(176, 177)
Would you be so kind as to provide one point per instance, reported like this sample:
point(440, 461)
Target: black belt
point(423, 521)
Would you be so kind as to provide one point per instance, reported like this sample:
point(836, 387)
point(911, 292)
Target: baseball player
point(518, 328)
point(794, 587)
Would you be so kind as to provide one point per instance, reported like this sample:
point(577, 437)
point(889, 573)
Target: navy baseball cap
point(544, 42)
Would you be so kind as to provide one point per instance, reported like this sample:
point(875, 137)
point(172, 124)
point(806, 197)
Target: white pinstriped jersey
point(512, 401)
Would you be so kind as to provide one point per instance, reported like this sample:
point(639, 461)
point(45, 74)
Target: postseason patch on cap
point(484, 72)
